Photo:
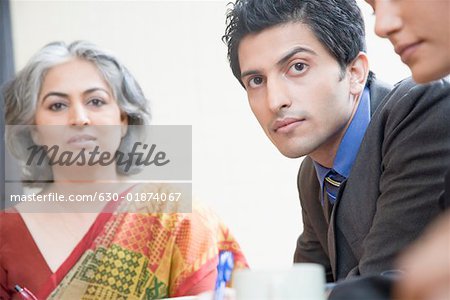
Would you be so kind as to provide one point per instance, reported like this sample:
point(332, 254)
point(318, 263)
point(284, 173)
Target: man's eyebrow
point(250, 72)
point(294, 51)
point(283, 60)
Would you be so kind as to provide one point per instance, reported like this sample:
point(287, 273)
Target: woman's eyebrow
point(58, 94)
point(94, 89)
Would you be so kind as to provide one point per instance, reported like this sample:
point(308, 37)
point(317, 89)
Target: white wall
point(175, 52)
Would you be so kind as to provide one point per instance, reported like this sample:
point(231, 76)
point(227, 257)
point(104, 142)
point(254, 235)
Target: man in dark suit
point(366, 189)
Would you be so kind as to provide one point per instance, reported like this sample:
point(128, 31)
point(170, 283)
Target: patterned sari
point(145, 256)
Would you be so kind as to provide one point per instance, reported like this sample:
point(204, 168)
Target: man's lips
point(406, 49)
point(286, 124)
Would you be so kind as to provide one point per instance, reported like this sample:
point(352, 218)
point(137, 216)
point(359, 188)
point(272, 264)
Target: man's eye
point(298, 68)
point(255, 81)
point(57, 106)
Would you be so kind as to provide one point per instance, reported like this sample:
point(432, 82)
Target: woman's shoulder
point(12, 227)
point(168, 199)
point(9, 217)
point(173, 206)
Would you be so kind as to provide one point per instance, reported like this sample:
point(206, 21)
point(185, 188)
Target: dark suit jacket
point(393, 188)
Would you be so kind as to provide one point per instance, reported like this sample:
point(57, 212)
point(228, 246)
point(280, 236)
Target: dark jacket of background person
point(393, 188)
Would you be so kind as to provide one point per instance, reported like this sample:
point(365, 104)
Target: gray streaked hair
point(21, 98)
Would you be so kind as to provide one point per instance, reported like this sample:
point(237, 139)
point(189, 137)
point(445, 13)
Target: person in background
point(369, 183)
point(80, 97)
point(420, 34)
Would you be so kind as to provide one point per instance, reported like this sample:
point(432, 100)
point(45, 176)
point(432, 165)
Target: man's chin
point(290, 153)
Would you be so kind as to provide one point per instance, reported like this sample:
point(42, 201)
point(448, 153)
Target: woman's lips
point(406, 50)
point(82, 140)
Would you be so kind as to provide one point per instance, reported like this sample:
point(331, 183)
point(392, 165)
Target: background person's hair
point(337, 24)
point(21, 98)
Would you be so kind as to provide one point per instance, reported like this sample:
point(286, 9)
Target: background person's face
point(294, 89)
point(76, 109)
point(420, 33)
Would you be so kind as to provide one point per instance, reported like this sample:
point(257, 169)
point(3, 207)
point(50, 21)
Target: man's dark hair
point(337, 24)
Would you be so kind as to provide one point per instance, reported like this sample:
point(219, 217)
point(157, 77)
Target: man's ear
point(359, 70)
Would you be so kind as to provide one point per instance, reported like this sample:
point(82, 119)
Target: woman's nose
point(387, 19)
point(79, 116)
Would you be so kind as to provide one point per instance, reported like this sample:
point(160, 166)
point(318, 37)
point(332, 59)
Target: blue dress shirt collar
point(349, 146)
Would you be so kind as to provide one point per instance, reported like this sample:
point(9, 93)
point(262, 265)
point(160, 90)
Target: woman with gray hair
point(21, 96)
point(68, 104)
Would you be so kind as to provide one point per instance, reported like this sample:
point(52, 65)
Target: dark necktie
point(332, 183)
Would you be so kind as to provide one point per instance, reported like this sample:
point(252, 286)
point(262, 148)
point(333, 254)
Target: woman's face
point(420, 33)
point(77, 110)
point(76, 94)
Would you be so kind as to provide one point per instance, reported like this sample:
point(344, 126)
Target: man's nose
point(277, 95)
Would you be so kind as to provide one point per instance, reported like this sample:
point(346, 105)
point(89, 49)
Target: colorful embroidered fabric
point(149, 256)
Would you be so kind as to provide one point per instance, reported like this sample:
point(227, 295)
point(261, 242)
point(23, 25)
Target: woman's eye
point(255, 81)
point(298, 68)
point(57, 106)
point(96, 102)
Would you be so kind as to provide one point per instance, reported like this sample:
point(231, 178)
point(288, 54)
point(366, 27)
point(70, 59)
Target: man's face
point(295, 90)
point(420, 33)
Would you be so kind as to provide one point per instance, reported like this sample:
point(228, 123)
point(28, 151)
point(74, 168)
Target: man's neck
point(326, 153)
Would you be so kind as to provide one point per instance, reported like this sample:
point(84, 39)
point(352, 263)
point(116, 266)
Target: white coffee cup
point(300, 282)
